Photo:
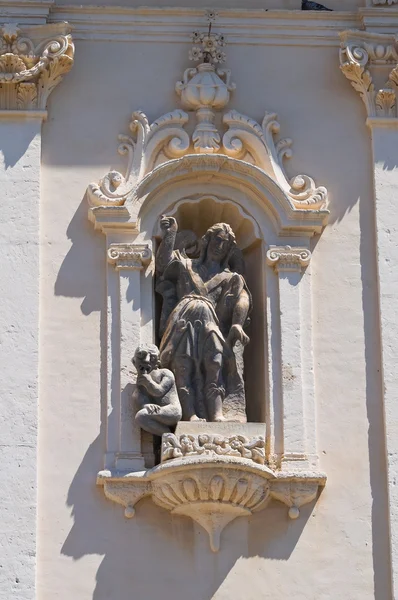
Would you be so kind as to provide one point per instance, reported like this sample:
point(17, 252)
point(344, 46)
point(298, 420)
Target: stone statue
point(205, 308)
point(155, 397)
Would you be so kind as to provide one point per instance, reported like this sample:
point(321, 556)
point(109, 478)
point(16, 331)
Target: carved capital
point(129, 256)
point(286, 258)
point(362, 51)
point(33, 61)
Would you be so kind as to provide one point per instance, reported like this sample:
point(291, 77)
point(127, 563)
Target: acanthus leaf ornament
point(359, 53)
point(33, 61)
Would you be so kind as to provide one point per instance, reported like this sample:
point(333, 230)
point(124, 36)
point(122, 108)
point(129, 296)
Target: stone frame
point(245, 165)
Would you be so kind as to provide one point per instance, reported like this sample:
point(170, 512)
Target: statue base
point(198, 438)
point(213, 473)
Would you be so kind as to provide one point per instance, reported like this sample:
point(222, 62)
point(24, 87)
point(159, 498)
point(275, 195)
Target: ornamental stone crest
point(204, 92)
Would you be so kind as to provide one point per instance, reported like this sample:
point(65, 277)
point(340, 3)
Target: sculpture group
point(205, 309)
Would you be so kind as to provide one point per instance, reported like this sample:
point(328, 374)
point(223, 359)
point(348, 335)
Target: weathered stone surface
point(155, 396)
point(205, 307)
point(216, 439)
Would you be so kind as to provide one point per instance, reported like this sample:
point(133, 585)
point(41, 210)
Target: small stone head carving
point(146, 358)
point(218, 244)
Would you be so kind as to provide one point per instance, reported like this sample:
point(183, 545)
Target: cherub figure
point(155, 397)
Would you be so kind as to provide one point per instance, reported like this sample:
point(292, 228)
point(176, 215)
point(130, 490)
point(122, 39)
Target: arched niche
point(198, 214)
point(200, 191)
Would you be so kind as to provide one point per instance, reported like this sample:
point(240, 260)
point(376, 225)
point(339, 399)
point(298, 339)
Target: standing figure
point(205, 308)
point(155, 397)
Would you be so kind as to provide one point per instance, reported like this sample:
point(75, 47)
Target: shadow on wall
point(158, 555)
point(78, 274)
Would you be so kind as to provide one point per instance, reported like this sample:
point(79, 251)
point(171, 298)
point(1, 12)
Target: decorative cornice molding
point(286, 258)
point(129, 256)
point(33, 61)
point(25, 12)
point(360, 52)
point(250, 26)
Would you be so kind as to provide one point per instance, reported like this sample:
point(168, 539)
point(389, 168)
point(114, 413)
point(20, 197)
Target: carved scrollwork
point(246, 136)
point(286, 258)
point(166, 135)
point(41, 64)
point(359, 52)
point(129, 256)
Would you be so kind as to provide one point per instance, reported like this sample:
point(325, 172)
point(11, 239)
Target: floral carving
point(39, 64)
point(213, 445)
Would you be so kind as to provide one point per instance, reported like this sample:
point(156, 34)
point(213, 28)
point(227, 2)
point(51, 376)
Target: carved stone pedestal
point(213, 473)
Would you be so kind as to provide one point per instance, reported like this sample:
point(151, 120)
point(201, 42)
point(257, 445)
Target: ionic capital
point(286, 258)
point(129, 256)
point(33, 60)
point(360, 53)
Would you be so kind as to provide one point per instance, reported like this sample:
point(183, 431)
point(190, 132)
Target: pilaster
point(365, 59)
point(126, 261)
point(33, 59)
point(294, 295)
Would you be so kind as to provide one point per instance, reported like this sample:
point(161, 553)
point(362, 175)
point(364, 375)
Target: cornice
point(23, 114)
point(25, 12)
point(380, 19)
point(252, 26)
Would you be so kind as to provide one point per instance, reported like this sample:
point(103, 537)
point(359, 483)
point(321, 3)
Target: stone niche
point(230, 169)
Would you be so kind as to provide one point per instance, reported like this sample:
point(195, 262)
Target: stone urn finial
point(205, 88)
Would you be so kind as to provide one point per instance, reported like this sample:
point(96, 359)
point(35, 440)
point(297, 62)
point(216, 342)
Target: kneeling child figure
point(155, 397)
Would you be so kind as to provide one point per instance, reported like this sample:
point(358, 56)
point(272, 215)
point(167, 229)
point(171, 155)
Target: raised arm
point(156, 390)
point(169, 227)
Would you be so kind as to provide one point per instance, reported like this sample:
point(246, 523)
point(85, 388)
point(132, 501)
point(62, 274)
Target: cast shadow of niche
point(156, 554)
point(81, 274)
point(217, 255)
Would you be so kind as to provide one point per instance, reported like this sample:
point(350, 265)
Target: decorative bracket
point(211, 491)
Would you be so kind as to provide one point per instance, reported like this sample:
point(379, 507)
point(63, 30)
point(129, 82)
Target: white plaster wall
point(19, 353)
point(337, 548)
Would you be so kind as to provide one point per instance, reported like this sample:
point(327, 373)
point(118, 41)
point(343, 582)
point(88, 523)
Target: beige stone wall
point(339, 546)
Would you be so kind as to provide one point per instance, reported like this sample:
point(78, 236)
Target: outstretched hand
point(168, 224)
point(236, 334)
